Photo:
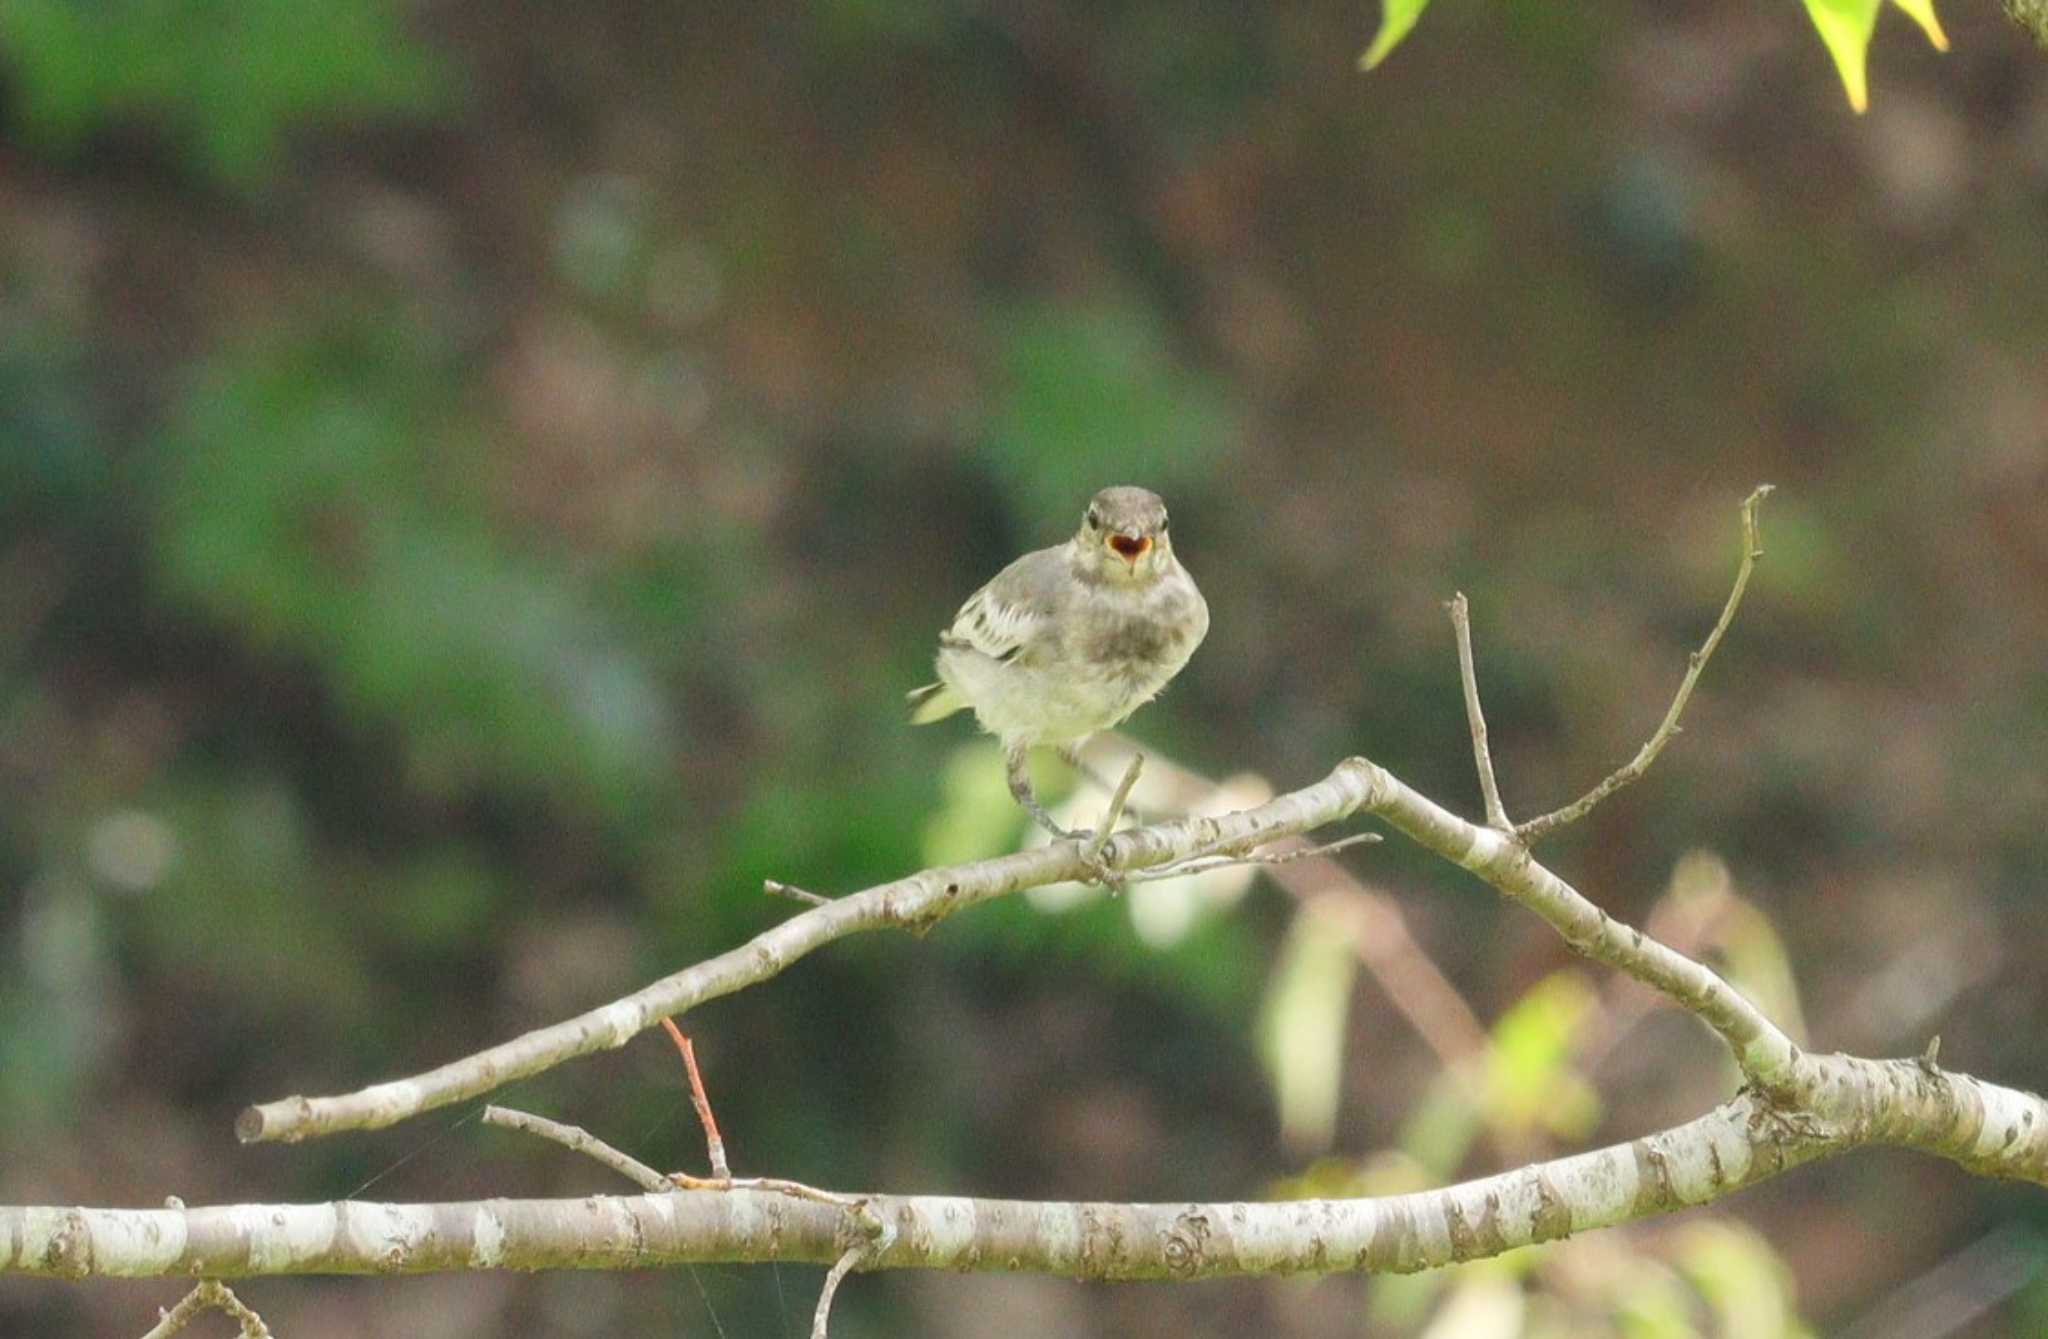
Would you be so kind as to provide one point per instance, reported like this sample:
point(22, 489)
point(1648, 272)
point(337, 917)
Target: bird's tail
point(932, 702)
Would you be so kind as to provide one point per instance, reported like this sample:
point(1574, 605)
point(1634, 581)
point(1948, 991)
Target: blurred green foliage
point(310, 496)
point(1096, 384)
point(226, 78)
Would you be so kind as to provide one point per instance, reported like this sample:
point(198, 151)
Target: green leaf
point(1396, 19)
point(1301, 1038)
point(1845, 27)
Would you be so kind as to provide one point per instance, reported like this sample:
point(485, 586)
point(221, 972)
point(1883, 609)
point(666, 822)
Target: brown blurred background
point(476, 481)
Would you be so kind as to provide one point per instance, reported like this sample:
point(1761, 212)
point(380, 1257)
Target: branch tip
point(1752, 548)
point(1482, 758)
point(776, 888)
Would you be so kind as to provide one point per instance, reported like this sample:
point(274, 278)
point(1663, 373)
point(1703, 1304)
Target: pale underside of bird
point(1072, 639)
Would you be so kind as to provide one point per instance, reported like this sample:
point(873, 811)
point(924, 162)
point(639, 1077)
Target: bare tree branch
point(914, 903)
point(1536, 829)
point(1766, 1055)
point(1990, 1130)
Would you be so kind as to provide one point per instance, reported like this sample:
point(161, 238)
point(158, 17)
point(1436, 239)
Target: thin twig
point(1461, 623)
point(579, 1140)
point(839, 1271)
point(1283, 856)
point(207, 1295)
point(1117, 800)
point(776, 888)
point(1537, 828)
point(1138, 813)
point(714, 1143)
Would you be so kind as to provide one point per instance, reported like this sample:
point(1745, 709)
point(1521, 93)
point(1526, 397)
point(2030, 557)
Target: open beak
point(1131, 547)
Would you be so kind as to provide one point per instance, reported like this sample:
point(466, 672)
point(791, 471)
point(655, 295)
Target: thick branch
point(1991, 1130)
point(914, 903)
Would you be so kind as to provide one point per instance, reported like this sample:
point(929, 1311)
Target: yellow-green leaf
point(1530, 1080)
point(1922, 13)
point(1396, 19)
point(1308, 1006)
point(1845, 27)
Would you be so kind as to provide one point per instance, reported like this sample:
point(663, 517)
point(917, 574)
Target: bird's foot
point(1093, 842)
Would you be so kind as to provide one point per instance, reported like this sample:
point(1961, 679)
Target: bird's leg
point(1020, 787)
point(1091, 853)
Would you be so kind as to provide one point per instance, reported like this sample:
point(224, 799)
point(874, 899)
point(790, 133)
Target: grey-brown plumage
point(1072, 639)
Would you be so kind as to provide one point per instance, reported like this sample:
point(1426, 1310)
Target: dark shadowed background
point(476, 481)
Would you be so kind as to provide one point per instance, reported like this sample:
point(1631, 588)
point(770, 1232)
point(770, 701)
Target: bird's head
point(1123, 536)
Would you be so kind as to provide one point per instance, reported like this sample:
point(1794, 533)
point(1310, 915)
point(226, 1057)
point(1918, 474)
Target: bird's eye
point(1094, 519)
point(1162, 525)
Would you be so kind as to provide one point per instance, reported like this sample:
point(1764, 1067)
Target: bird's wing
point(1010, 612)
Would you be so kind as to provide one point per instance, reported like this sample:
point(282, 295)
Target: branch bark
point(915, 903)
point(1991, 1130)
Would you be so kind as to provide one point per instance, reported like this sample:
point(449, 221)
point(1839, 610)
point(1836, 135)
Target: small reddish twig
point(713, 1142)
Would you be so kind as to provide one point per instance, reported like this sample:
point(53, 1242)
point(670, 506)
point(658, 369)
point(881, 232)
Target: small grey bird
point(1072, 639)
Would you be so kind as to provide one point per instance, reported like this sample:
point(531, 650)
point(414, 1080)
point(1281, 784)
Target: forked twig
point(579, 1140)
point(1461, 623)
point(207, 1295)
point(1537, 828)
